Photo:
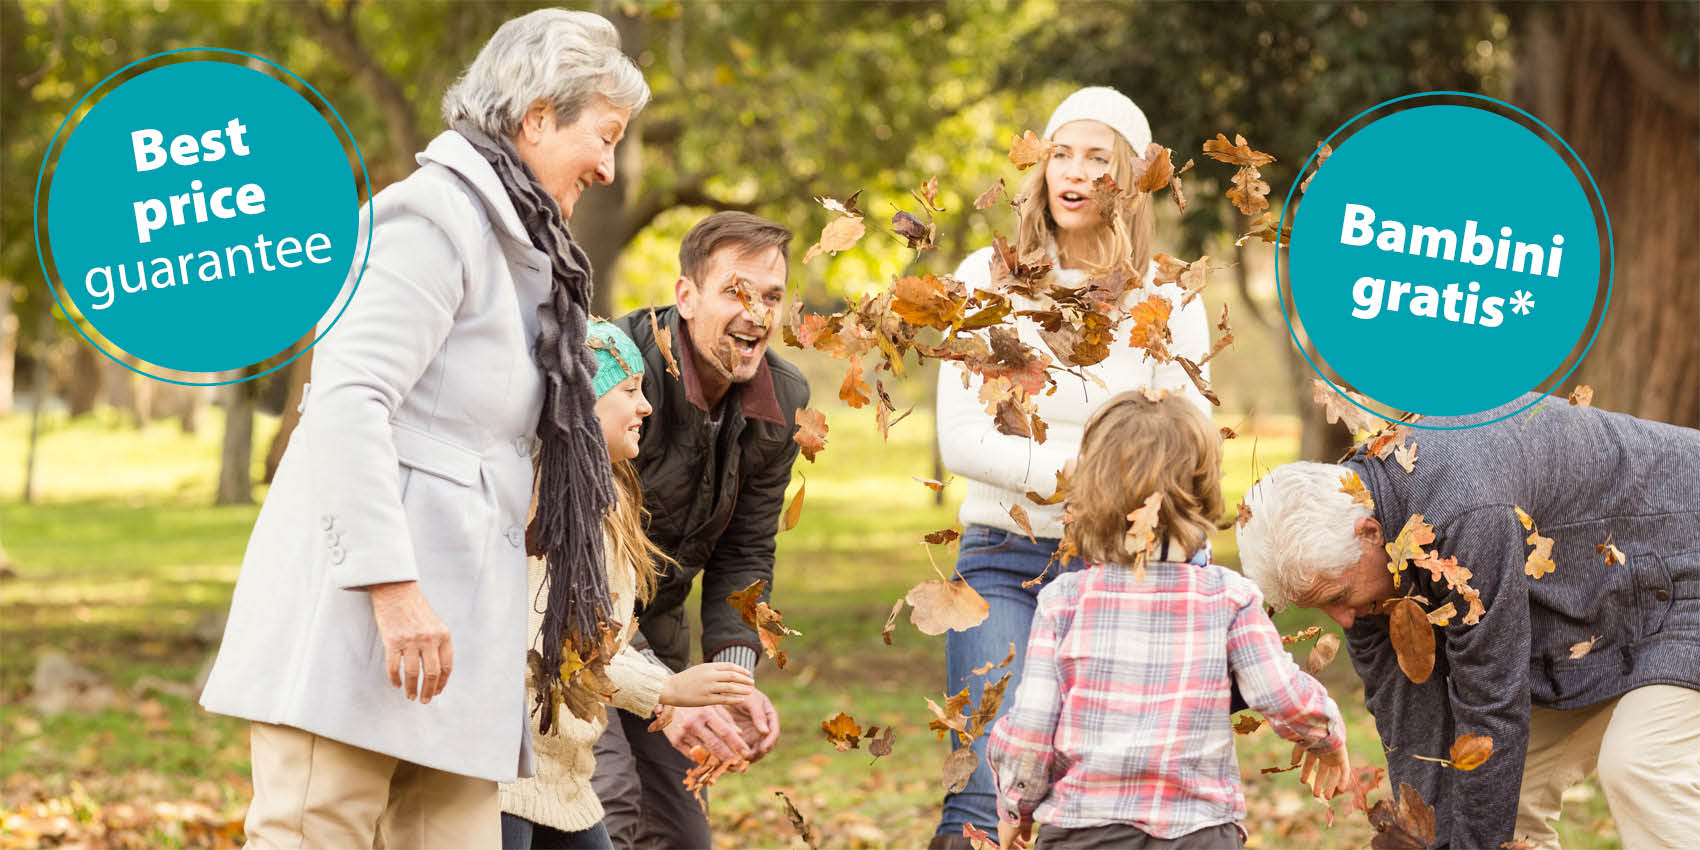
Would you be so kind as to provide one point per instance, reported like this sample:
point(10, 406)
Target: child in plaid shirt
point(1119, 734)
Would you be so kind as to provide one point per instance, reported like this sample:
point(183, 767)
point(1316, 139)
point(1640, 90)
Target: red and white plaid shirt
point(1122, 711)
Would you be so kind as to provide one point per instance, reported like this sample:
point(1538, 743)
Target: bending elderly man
point(1582, 476)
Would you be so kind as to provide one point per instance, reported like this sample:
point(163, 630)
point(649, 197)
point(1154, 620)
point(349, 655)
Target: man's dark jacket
point(1582, 474)
point(713, 503)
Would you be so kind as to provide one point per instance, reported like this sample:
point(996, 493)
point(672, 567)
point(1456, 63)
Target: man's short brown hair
point(751, 234)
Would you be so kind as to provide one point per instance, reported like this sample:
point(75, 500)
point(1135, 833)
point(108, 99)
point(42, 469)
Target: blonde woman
point(1095, 131)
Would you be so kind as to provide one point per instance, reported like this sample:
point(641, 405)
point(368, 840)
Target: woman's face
point(621, 411)
point(567, 158)
point(1082, 153)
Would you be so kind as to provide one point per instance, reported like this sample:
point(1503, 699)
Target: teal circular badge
point(1446, 260)
point(202, 217)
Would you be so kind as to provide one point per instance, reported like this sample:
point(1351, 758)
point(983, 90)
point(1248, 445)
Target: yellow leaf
point(1443, 615)
point(1580, 649)
point(1353, 486)
point(1540, 558)
point(1408, 545)
point(1524, 518)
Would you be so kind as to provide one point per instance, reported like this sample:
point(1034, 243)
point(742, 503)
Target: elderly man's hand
point(418, 652)
point(758, 722)
point(710, 726)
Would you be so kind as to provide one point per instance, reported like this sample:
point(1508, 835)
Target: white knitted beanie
point(1106, 105)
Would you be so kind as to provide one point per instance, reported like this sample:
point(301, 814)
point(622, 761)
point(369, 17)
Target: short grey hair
point(1302, 529)
point(555, 56)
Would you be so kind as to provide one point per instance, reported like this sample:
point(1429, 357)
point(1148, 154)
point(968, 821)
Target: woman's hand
point(712, 683)
point(418, 652)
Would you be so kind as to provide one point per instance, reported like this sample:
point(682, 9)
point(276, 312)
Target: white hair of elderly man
point(1301, 530)
point(556, 56)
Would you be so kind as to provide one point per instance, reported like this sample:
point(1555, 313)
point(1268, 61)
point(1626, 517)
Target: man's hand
point(758, 721)
point(418, 652)
point(711, 727)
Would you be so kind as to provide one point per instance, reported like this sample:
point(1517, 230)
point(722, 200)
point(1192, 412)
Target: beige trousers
point(313, 792)
point(1646, 747)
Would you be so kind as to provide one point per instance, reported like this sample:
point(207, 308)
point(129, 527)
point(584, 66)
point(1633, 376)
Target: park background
point(125, 503)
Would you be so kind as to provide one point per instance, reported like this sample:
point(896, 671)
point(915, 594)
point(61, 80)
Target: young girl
point(1119, 730)
point(557, 808)
point(1097, 131)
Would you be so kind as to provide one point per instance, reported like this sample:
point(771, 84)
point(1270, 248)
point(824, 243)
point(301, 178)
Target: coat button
point(325, 522)
point(337, 554)
point(522, 447)
point(516, 536)
point(1662, 595)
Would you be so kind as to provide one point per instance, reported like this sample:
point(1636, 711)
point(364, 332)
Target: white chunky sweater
point(999, 469)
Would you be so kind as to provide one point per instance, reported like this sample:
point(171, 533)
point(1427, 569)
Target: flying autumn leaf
point(1539, 562)
point(988, 667)
point(1613, 555)
point(928, 300)
point(1326, 648)
point(990, 196)
point(1244, 515)
point(1142, 532)
point(768, 622)
point(1154, 170)
point(978, 838)
point(1582, 396)
point(1150, 327)
point(1336, 408)
point(1468, 752)
point(1442, 615)
point(795, 511)
point(960, 765)
point(933, 484)
point(881, 747)
point(916, 233)
point(1300, 637)
point(1413, 640)
point(842, 730)
point(1246, 723)
point(1267, 228)
point(891, 622)
point(941, 537)
point(1237, 152)
point(1026, 150)
point(1058, 495)
point(1524, 518)
point(1019, 514)
point(1322, 154)
point(797, 822)
point(811, 432)
point(1353, 486)
point(846, 207)
point(1406, 456)
point(939, 606)
point(1250, 192)
point(840, 234)
point(664, 341)
point(1408, 545)
point(1580, 649)
point(1406, 825)
point(991, 699)
point(854, 390)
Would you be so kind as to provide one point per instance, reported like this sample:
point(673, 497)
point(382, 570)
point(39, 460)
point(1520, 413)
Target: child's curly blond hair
point(1137, 444)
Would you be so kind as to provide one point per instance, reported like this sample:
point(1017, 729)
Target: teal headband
point(617, 357)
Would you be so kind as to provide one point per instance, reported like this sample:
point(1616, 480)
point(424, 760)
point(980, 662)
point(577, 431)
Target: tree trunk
point(235, 483)
point(40, 391)
point(602, 220)
point(8, 345)
point(82, 391)
point(298, 373)
point(1599, 74)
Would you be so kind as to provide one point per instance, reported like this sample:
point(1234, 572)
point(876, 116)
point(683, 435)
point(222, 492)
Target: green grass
point(123, 557)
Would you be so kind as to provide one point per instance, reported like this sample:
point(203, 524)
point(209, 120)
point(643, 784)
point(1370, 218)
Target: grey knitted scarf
point(575, 487)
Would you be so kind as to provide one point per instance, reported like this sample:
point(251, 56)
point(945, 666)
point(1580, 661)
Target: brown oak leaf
point(811, 432)
point(1027, 149)
point(1237, 152)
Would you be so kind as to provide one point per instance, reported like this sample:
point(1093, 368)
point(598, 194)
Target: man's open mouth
point(745, 345)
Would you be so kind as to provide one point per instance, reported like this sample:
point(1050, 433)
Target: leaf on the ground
point(1322, 654)
point(1406, 457)
point(1539, 562)
point(990, 196)
point(891, 622)
point(959, 767)
point(939, 606)
point(1413, 640)
point(1246, 723)
point(1026, 150)
point(842, 730)
point(1142, 532)
point(1613, 555)
point(1524, 518)
point(1301, 636)
point(1580, 649)
point(1408, 545)
point(1250, 194)
point(1019, 514)
point(988, 667)
point(1582, 396)
point(1336, 408)
point(991, 699)
point(794, 512)
point(797, 821)
point(1406, 825)
point(664, 342)
point(1353, 486)
point(1442, 615)
point(1237, 152)
point(840, 234)
point(881, 747)
point(811, 432)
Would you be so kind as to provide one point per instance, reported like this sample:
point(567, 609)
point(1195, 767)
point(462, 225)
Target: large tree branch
point(689, 194)
point(1673, 88)
point(340, 39)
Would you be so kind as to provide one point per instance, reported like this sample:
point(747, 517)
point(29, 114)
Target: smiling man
point(715, 458)
point(1594, 664)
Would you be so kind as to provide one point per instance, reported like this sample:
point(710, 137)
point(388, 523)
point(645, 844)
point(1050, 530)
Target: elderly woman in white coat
point(377, 637)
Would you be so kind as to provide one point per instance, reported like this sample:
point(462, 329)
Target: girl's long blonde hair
point(624, 525)
point(1123, 242)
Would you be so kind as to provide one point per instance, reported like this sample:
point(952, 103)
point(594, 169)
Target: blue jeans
point(994, 562)
point(521, 834)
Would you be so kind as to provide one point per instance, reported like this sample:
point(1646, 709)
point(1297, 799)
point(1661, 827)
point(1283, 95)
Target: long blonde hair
point(1125, 240)
point(624, 526)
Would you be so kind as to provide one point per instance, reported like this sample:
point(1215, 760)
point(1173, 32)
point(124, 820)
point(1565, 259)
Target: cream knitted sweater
point(1000, 469)
point(560, 795)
